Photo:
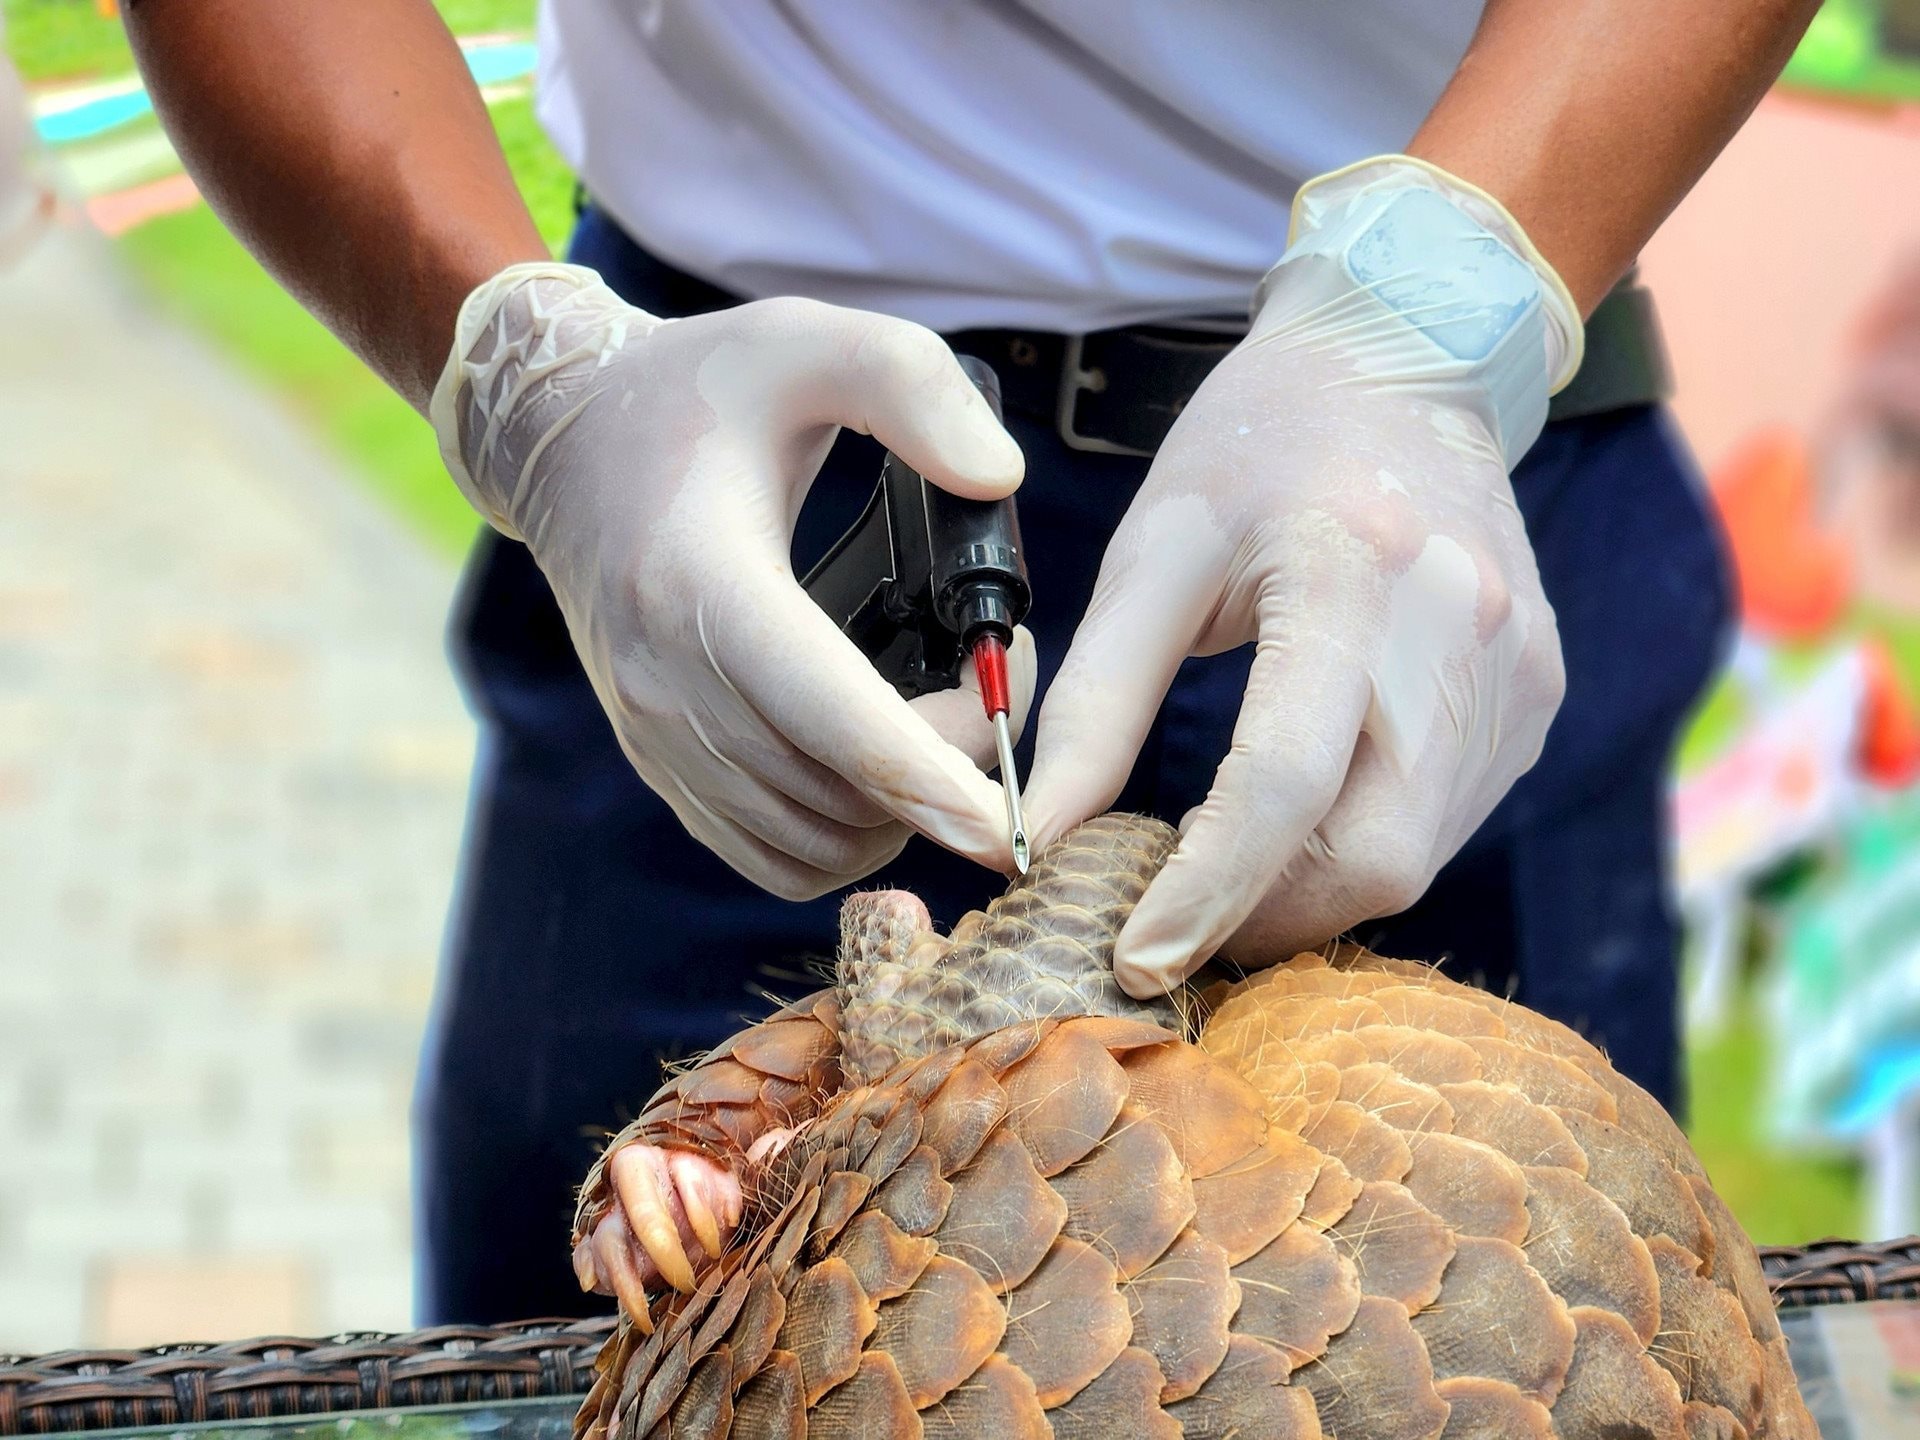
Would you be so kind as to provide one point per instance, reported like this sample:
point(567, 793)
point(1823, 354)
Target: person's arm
point(1591, 119)
point(347, 146)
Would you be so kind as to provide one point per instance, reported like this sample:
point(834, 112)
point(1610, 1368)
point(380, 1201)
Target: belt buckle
point(1074, 379)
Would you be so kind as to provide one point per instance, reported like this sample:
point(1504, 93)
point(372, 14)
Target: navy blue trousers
point(591, 938)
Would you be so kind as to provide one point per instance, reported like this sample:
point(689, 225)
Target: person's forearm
point(1590, 119)
point(346, 145)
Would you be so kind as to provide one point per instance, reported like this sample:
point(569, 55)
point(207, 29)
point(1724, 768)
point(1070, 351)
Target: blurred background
point(233, 761)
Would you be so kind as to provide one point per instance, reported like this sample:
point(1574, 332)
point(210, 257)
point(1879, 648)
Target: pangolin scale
point(1363, 1203)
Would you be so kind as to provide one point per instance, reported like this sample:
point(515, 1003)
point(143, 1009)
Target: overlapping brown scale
point(1614, 1389)
point(1251, 1020)
point(896, 1140)
point(1544, 1079)
point(841, 1195)
point(1700, 1421)
point(704, 1410)
point(1006, 1048)
point(1736, 1268)
point(1346, 955)
point(1483, 1409)
point(1495, 1317)
point(1123, 1400)
point(755, 1331)
point(1212, 1116)
point(1472, 1187)
point(795, 1049)
point(1704, 1341)
point(1404, 1104)
point(1783, 1412)
point(1584, 1247)
point(1297, 1294)
point(1530, 1028)
point(1375, 1379)
point(1120, 1033)
point(941, 1330)
point(1371, 1292)
point(1067, 1322)
point(1338, 1048)
point(1643, 1116)
point(885, 1259)
point(1064, 1097)
point(721, 1082)
point(1181, 1306)
point(827, 1322)
point(1131, 1196)
point(916, 1196)
point(1399, 1248)
point(1428, 1056)
point(998, 1399)
point(1246, 1204)
point(1500, 1116)
point(1424, 1005)
point(773, 1404)
point(1369, 1147)
point(873, 1401)
point(1297, 1095)
point(789, 1229)
point(1248, 1398)
point(1003, 1217)
point(663, 1388)
point(1656, 1199)
point(961, 1114)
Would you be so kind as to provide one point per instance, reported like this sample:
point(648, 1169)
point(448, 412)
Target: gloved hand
point(1337, 493)
point(655, 468)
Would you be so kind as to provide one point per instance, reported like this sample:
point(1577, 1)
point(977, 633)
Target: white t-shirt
point(1060, 164)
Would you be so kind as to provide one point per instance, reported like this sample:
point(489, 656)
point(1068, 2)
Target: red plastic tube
point(990, 661)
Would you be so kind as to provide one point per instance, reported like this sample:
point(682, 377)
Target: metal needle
point(1010, 783)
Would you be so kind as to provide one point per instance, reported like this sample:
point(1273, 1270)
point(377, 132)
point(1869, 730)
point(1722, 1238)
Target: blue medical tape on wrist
point(1477, 306)
point(1449, 278)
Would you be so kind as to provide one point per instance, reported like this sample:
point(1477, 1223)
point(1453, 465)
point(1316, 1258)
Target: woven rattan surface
point(276, 1375)
point(1840, 1272)
point(451, 1365)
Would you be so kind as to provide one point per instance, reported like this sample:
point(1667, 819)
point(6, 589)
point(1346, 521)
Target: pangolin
point(975, 1190)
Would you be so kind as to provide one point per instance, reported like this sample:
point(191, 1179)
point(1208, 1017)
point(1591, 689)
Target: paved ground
point(232, 772)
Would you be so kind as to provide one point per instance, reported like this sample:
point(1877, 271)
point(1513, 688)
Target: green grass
point(195, 268)
point(64, 40)
point(199, 271)
point(71, 40)
point(1782, 1197)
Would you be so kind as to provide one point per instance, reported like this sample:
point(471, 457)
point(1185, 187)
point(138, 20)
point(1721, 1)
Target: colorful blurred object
point(1794, 577)
point(1846, 994)
point(1864, 49)
point(1798, 828)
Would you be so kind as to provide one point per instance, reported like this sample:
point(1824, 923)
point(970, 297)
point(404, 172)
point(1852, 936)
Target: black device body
point(923, 574)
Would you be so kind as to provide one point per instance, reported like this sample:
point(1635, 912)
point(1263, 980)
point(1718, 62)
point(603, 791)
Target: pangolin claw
point(637, 1181)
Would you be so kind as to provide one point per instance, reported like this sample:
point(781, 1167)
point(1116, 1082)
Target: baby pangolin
point(974, 1190)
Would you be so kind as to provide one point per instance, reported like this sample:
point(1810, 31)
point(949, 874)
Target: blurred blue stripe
point(490, 65)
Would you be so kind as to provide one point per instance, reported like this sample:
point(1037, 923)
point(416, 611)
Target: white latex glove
point(1336, 492)
point(655, 468)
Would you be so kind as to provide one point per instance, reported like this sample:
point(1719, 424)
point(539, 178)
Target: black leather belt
point(1119, 391)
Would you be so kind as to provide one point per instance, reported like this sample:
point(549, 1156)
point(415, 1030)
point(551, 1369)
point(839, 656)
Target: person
point(1286, 592)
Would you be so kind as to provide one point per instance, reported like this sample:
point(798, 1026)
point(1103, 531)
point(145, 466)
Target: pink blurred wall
point(1761, 272)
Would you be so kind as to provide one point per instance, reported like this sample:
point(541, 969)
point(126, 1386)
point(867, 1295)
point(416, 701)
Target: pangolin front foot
point(666, 1202)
